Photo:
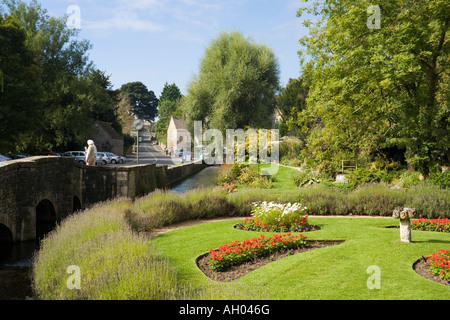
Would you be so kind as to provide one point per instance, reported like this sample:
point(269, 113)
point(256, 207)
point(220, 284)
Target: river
point(16, 259)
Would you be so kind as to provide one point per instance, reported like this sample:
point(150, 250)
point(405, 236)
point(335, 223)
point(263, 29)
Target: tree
point(291, 102)
point(236, 85)
point(20, 87)
point(124, 112)
point(104, 99)
point(145, 103)
point(169, 102)
point(377, 88)
point(62, 113)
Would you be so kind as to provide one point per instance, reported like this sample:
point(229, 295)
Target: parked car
point(50, 154)
point(103, 158)
point(15, 156)
point(115, 158)
point(66, 154)
point(4, 158)
point(80, 156)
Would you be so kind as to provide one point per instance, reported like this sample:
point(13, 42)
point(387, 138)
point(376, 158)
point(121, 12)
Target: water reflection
point(15, 264)
point(204, 179)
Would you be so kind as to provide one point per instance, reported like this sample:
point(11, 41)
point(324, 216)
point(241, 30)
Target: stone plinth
point(405, 215)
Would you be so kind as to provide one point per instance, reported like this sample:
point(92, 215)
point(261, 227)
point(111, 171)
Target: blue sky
point(158, 41)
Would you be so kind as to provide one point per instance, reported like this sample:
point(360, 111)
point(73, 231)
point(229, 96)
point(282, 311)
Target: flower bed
point(277, 217)
point(440, 263)
point(237, 252)
point(439, 225)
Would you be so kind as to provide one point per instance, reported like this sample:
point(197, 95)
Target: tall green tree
point(380, 78)
point(20, 86)
point(144, 101)
point(169, 102)
point(291, 102)
point(236, 85)
point(62, 114)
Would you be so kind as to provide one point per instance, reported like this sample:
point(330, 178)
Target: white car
point(80, 156)
point(103, 158)
point(115, 158)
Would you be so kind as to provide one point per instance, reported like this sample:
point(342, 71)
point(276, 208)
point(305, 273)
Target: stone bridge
point(38, 192)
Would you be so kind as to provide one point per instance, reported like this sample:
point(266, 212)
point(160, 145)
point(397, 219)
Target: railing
point(348, 167)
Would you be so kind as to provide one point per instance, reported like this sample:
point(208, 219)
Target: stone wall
point(69, 186)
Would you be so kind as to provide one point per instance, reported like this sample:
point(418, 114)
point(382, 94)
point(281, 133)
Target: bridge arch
point(76, 204)
point(6, 235)
point(45, 218)
point(6, 241)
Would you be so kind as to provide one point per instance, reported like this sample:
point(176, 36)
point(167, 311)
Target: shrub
point(161, 208)
point(360, 176)
point(252, 178)
point(113, 261)
point(410, 178)
point(328, 167)
point(375, 199)
point(429, 200)
point(278, 217)
point(291, 147)
point(441, 179)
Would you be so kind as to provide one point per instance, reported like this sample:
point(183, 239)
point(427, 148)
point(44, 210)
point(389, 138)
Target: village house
point(178, 135)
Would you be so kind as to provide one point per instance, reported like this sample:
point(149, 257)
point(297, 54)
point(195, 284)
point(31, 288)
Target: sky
point(159, 41)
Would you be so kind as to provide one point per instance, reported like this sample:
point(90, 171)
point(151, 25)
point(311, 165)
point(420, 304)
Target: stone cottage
point(178, 134)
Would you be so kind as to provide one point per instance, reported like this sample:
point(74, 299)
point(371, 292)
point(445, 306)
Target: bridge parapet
point(39, 191)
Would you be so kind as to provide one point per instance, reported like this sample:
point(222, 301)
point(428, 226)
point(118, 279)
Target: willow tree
point(380, 78)
point(236, 85)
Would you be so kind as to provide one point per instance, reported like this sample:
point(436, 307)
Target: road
point(148, 154)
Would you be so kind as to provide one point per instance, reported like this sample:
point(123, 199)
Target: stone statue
point(405, 215)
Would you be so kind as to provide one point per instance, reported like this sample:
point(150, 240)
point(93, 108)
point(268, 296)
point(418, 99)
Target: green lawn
point(336, 273)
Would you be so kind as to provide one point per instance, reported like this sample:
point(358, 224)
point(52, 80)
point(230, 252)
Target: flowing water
point(16, 259)
point(15, 267)
point(204, 179)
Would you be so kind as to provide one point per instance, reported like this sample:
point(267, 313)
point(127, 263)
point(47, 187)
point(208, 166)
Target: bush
point(410, 178)
point(360, 176)
point(252, 178)
point(162, 208)
point(441, 179)
point(291, 161)
point(308, 177)
point(429, 200)
point(242, 174)
point(114, 262)
point(291, 147)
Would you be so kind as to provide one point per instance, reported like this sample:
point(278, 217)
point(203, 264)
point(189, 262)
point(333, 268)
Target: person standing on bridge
point(91, 153)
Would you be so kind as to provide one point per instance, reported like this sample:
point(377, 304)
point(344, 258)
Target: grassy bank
point(114, 261)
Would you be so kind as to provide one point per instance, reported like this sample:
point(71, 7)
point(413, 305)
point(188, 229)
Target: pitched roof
point(110, 130)
point(179, 123)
